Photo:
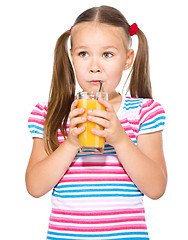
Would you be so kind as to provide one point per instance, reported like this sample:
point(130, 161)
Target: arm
point(145, 162)
point(43, 171)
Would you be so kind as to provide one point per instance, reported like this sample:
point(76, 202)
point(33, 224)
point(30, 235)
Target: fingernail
point(89, 111)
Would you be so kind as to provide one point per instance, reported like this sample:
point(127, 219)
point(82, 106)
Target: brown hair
point(62, 90)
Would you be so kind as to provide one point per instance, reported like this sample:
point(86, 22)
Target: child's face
point(99, 54)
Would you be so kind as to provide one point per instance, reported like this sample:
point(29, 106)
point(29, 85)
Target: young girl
point(98, 196)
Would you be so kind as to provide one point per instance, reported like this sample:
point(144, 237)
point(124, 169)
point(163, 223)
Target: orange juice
point(88, 141)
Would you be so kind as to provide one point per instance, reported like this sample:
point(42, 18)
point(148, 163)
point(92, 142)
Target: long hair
point(62, 90)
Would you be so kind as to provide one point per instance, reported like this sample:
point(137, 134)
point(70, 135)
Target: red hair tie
point(70, 29)
point(133, 29)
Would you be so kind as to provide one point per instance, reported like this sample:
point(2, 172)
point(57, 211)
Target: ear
point(71, 56)
point(71, 53)
point(129, 59)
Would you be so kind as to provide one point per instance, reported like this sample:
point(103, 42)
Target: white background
point(28, 33)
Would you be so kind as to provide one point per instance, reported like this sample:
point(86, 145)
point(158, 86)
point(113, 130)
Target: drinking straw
point(100, 88)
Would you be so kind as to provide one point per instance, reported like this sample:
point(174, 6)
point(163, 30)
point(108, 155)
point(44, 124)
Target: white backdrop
point(29, 30)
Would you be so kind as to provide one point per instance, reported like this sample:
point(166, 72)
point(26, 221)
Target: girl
point(98, 196)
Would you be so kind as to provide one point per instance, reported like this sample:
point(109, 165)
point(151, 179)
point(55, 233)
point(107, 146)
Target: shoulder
point(151, 108)
point(147, 114)
point(36, 119)
point(152, 117)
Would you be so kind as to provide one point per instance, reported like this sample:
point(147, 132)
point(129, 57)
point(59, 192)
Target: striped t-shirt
point(96, 199)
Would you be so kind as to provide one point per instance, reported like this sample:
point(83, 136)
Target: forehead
point(97, 33)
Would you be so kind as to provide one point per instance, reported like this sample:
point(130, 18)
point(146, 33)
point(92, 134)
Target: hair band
point(70, 29)
point(133, 29)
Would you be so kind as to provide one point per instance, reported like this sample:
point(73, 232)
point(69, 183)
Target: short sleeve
point(152, 117)
point(36, 120)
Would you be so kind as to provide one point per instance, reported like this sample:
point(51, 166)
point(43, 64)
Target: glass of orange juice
point(88, 141)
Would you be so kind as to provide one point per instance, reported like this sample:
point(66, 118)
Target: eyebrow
point(105, 47)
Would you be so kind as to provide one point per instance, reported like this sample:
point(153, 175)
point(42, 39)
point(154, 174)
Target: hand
point(75, 119)
point(113, 131)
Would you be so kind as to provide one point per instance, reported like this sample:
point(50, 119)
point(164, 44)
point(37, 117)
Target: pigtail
point(62, 93)
point(140, 84)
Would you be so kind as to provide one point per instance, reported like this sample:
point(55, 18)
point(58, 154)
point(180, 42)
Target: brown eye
point(107, 55)
point(83, 54)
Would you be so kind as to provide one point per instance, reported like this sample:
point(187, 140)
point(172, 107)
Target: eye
point(107, 54)
point(83, 54)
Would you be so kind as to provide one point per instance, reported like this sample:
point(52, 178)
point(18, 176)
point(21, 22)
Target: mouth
point(95, 82)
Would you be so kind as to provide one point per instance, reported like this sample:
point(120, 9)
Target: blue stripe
point(133, 101)
point(132, 104)
point(96, 185)
point(36, 132)
point(35, 127)
point(147, 125)
point(97, 190)
point(131, 107)
point(97, 195)
point(98, 235)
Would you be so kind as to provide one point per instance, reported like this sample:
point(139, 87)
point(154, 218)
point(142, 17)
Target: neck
point(113, 96)
point(115, 99)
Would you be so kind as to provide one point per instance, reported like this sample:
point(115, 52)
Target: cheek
point(115, 74)
point(79, 71)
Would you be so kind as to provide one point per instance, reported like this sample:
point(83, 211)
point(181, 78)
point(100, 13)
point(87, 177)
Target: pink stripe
point(93, 164)
point(97, 221)
point(146, 107)
point(37, 113)
point(130, 128)
point(41, 107)
point(99, 213)
point(59, 134)
point(148, 103)
point(93, 171)
point(144, 111)
point(61, 141)
point(133, 122)
point(153, 114)
point(96, 179)
point(97, 229)
point(35, 120)
point(131, 135)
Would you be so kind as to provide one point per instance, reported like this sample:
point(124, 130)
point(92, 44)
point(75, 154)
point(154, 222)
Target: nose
point(94, 70)
point(95, 66)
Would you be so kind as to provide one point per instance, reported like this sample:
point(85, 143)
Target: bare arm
point(145, 163)
point(43, 171)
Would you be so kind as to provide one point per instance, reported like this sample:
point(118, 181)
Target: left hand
point(113, 131)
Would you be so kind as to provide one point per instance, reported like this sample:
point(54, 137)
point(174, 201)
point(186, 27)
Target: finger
point(76, 112)
point(101, 121)
point(99, 113)
point(107, 105)
point(74, 105)
point(76, 131)
point(100, 133)
point(77, 120)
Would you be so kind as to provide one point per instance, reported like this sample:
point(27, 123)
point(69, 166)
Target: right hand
point(75, 119)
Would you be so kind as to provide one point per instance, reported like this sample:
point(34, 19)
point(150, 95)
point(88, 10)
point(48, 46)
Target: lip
point(95, 82)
